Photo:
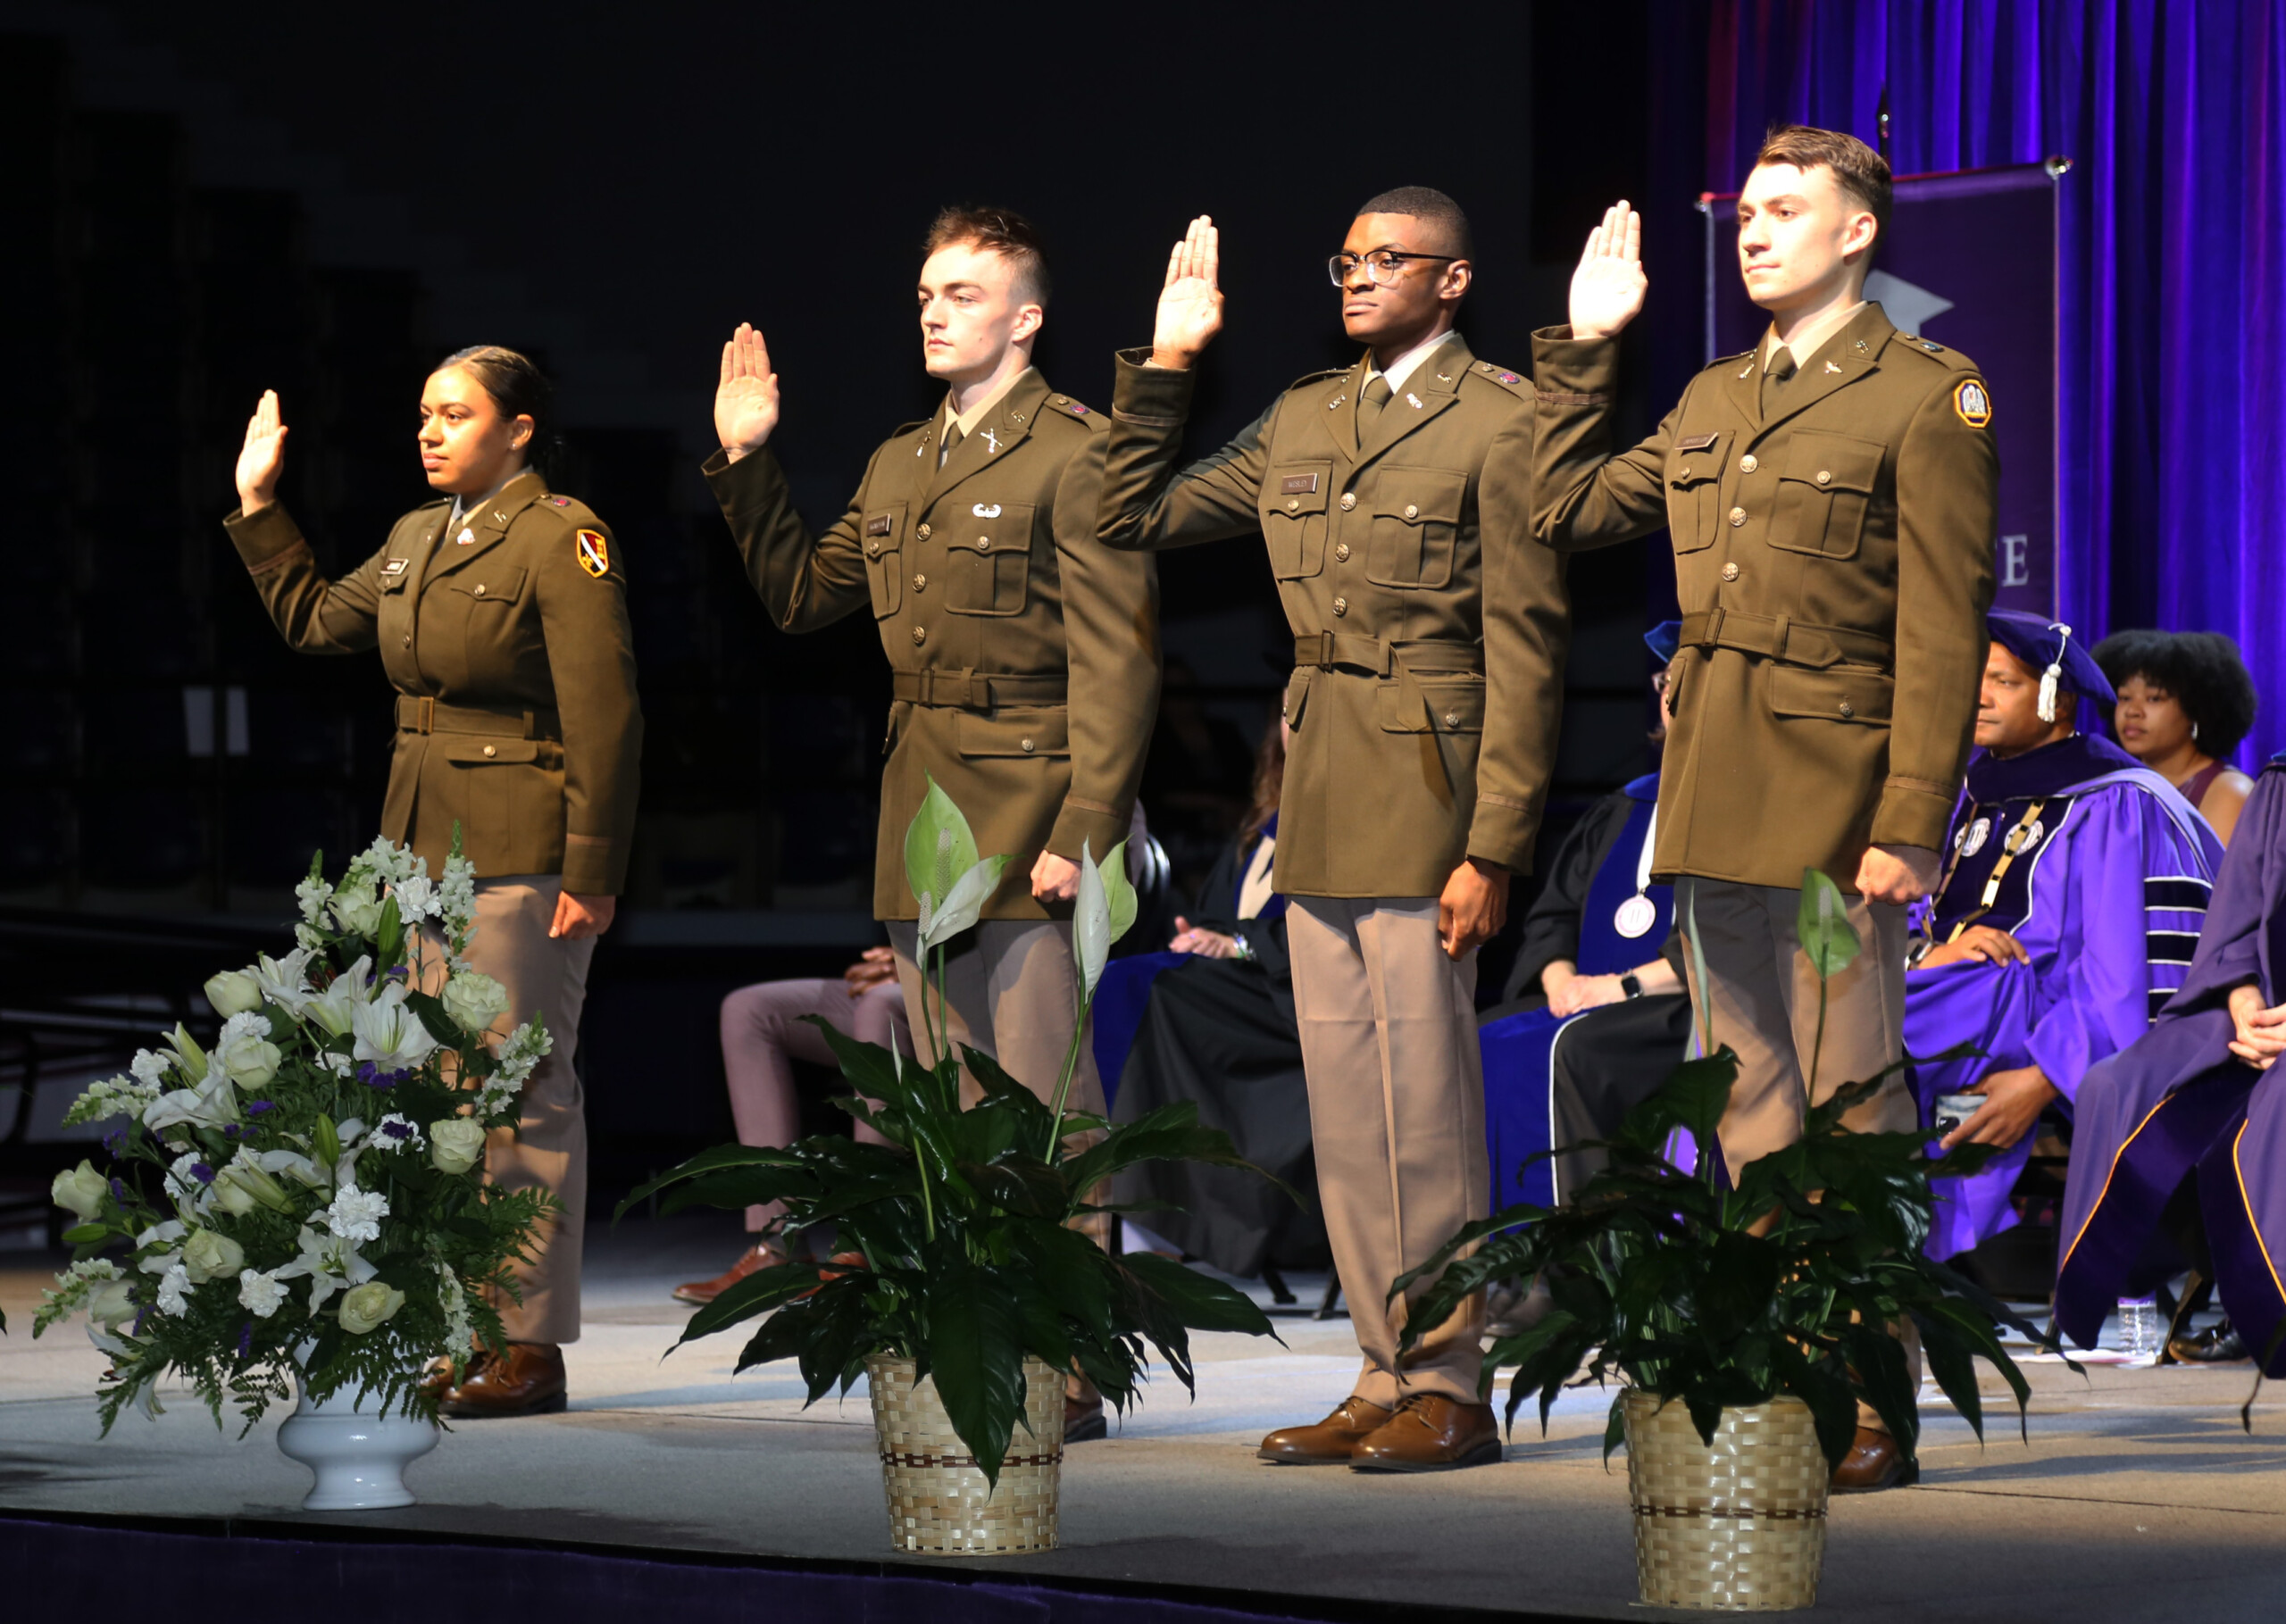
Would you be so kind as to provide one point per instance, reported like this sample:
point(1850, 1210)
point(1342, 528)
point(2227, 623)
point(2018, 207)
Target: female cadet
point(501, 617)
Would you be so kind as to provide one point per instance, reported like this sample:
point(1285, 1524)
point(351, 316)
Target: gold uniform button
point(1748, 463)
point(872, 549)
point(1729, 572)
point(1348, 499)
point(1452, 719)
point(1738, 516)
point(920, 633)
point(480, 589)
point(1341, 552)
point(984, 544)
point(408, 639)
point(1845, 711)
point(921, 534)
point(1825, 476)
point(920, 583)
point(1293, 504)
point(491, 750)
point(1342, 606)
point(1029, 746)
point(1412, 512)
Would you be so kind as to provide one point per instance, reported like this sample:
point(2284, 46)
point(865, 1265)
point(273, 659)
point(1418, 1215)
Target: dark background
point(199, 205)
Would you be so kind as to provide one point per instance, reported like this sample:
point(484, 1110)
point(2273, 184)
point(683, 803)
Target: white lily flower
point(301, 1167)
point(389, 1034)
point(335, 1008)
point(285, 982)
point(213, 1103)
point(330, 1263)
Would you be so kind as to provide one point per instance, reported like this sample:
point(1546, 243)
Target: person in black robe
point(1211, 1020)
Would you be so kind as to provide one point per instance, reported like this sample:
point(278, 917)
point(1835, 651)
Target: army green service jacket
point(508, 642)
point(1430, 632)
point(1025, 656)
point(1834, 565)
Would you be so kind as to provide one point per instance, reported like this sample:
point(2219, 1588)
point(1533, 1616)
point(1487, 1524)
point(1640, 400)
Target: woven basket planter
point(938, 1503)
point(1739, 1525)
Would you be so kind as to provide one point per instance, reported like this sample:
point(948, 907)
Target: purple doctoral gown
point(2106, 891)
point(2177, 1100)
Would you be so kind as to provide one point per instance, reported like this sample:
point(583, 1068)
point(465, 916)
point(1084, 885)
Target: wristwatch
point(1632, 986)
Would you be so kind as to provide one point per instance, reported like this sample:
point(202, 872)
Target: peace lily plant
point(304, 1199)
point(1794, 1279)
point(963, 1220)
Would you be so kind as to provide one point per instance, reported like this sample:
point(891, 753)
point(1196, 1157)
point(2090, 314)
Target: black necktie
point(1774, 379)
point(1370, 399)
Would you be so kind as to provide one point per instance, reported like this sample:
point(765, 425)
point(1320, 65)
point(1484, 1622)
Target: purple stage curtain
point(2173, 415)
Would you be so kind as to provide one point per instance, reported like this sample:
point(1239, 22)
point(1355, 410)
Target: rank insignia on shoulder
point(561, 501)
point(394, 566)
point(1973, 403)
point(1507, 378)
point(595, 554)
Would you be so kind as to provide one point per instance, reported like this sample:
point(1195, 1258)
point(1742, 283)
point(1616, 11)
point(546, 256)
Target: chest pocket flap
point(1294, 500)
point(988, 555)
point(1825, 486)
point(881, 536)
point(1416, 520)
point(1694, 472)
point(504, 584)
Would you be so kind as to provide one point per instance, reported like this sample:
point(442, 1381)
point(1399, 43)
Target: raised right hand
point(262, 458)
point(1608, 285)
point(746, 400)
point(1190, 304)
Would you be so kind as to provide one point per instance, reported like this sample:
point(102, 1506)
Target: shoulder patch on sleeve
point(595, 554)
point(1973, 401)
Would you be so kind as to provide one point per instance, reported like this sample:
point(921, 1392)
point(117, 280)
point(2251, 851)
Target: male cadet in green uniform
point(1024, 654)
point(1832, 497)
point(1395, 496)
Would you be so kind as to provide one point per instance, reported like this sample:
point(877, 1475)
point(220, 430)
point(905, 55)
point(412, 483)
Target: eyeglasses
point(1384, 265)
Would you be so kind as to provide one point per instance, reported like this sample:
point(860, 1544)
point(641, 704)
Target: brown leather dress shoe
point(1874, 1463)
point(757, 1258)
point(1327, 1443)
point(1430, 1433)
point(527, 1379)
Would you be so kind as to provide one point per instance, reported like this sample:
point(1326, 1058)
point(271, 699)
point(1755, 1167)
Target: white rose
point(114, 1304)
point(363, 1307)
point(251, 1061)
point(231, 1197)
point(207, 1256)
point(233, 991)
point(455, 1143)
point(80, 1191)
point(357, 908)
point(475, 1000)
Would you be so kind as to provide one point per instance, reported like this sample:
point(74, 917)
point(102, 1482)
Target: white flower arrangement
point(245, 1166)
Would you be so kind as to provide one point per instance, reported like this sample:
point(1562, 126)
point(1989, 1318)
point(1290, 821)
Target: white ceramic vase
point(359, 1457)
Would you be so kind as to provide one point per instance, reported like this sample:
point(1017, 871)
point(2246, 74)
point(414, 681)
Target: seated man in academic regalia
point(2077, 882)
point(2197, 1098)
point(1595, 1016)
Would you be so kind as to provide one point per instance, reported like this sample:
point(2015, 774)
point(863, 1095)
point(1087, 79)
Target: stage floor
point(2138, 1498)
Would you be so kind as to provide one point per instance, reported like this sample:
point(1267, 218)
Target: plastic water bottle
point(2139, 1329)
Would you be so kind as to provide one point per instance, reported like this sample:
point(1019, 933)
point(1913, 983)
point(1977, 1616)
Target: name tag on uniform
point(394, 566)
point(1696, 442)
point(878, 525)
point(1298, 484)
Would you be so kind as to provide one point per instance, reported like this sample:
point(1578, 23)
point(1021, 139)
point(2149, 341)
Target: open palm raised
point(746, 400)
point(1190, 304)
point(1608, 285)
point(263, 457)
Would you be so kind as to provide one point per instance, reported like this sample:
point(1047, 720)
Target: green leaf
point(976, 1354)
point(707, 1162)
point(938, 847)
point(1198, 1302)
point(85, 1235)
point(441, 1025)
point(758, 1293)
point(329, 1145)
point(1824, 927)
point(1882, 1377)
point(1742, 1276)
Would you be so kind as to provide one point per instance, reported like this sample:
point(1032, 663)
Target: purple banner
point(1968, 262)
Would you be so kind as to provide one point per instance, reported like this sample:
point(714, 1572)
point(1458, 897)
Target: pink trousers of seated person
point(764, 1034)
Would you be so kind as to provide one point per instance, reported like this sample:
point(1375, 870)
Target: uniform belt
point(1386, 656)
point(1780, 637)
point(976, 690)
point(419, 714)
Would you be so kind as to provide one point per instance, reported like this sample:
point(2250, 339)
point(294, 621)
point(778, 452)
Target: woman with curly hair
point(2185, 701)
